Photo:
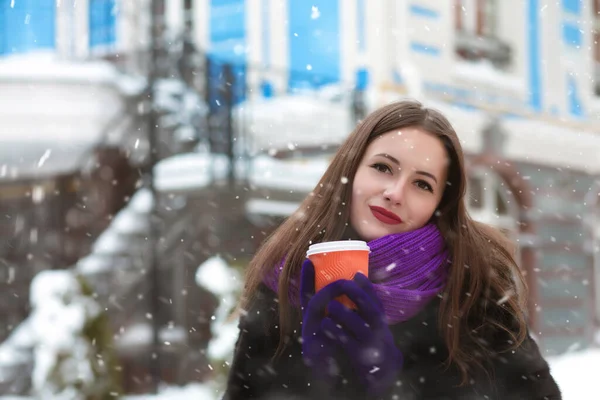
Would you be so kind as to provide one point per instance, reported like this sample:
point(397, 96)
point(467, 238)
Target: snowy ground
point(577, 374)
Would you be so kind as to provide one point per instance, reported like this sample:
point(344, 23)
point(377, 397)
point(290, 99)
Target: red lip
point(385, 216)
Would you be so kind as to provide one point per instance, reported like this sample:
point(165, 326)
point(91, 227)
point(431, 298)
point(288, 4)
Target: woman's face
point(399, 183)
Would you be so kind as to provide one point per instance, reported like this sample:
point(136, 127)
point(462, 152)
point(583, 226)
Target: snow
point(60, 312)
point(487, 74)
point(222, 345)
point(110, 242)
point(14, 350)
point(141, 202)
point(141, 334)
point(216, 276)
point(545, 143)
point(255, 207)
point(195, 391)
point(45, 65)
point(129, 222)
point(192, 391)
point(288, 174)
point(189, 171)
point(131, 85)
point(54, 112)
point(94, 264)
point(115, 240)
point(577, 374)
point(301, 119)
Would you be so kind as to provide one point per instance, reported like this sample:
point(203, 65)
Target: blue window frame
point(26, 25)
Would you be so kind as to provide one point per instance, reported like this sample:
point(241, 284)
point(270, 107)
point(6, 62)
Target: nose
point(394, 193)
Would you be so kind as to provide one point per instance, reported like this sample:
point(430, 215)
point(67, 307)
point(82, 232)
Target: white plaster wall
point(350, 58)
point(201, 19)
point(279, 45)
point(255, 52)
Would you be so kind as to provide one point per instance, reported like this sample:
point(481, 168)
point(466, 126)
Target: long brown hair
point(484, 280)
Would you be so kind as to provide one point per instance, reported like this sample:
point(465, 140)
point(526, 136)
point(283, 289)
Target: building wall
point(323, 42)
point(299, 44)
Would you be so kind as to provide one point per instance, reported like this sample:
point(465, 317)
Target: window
point(490, 201)
point(26, 26)
point(477, 35)
point(476, 17)
point(102, 20)
point(596, 46)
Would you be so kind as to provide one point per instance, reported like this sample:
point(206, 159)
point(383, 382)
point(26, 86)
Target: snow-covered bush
point(73, 342)
point(224, 281)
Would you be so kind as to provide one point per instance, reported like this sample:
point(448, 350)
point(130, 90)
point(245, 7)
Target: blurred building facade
point(74, 121)
point(66, 130)
point(518, 79)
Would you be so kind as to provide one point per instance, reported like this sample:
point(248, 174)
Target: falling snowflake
point(44, 158)
point(315, 13)
point(505, 298)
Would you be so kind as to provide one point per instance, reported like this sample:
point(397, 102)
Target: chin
point(373, 234)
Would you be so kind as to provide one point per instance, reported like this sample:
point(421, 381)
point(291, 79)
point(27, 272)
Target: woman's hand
point(363, 335)
point(318, 348)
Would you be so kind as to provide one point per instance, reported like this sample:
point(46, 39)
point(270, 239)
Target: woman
point(441, 315)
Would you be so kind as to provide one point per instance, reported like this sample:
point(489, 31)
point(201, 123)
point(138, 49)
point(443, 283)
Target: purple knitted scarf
point(407, 269)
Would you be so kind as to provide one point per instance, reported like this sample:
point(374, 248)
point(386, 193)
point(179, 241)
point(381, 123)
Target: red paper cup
point(339, 260)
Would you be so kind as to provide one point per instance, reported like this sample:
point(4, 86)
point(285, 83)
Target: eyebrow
point(395, 161)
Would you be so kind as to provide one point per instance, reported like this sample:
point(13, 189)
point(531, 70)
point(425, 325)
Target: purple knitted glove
point(318, 346)
point(363, 335)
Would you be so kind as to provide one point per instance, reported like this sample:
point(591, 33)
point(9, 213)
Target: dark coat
point(518, 374)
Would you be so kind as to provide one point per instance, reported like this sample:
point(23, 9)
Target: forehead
point(409, 145)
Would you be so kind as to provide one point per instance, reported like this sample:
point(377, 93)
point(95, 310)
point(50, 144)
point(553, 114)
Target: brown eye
point(381, 167)
point(424, 185)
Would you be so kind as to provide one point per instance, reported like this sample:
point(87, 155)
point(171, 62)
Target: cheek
point(355, 201)
point(421, 206)
point(429, 210)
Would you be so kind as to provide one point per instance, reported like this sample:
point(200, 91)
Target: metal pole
point(227, 127)
point(154, 361)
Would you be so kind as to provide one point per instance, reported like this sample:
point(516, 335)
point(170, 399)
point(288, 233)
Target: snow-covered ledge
point(484, 74)
point(43, 96)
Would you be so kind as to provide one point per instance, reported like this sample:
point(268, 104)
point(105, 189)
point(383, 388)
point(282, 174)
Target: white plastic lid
point(341, 245)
